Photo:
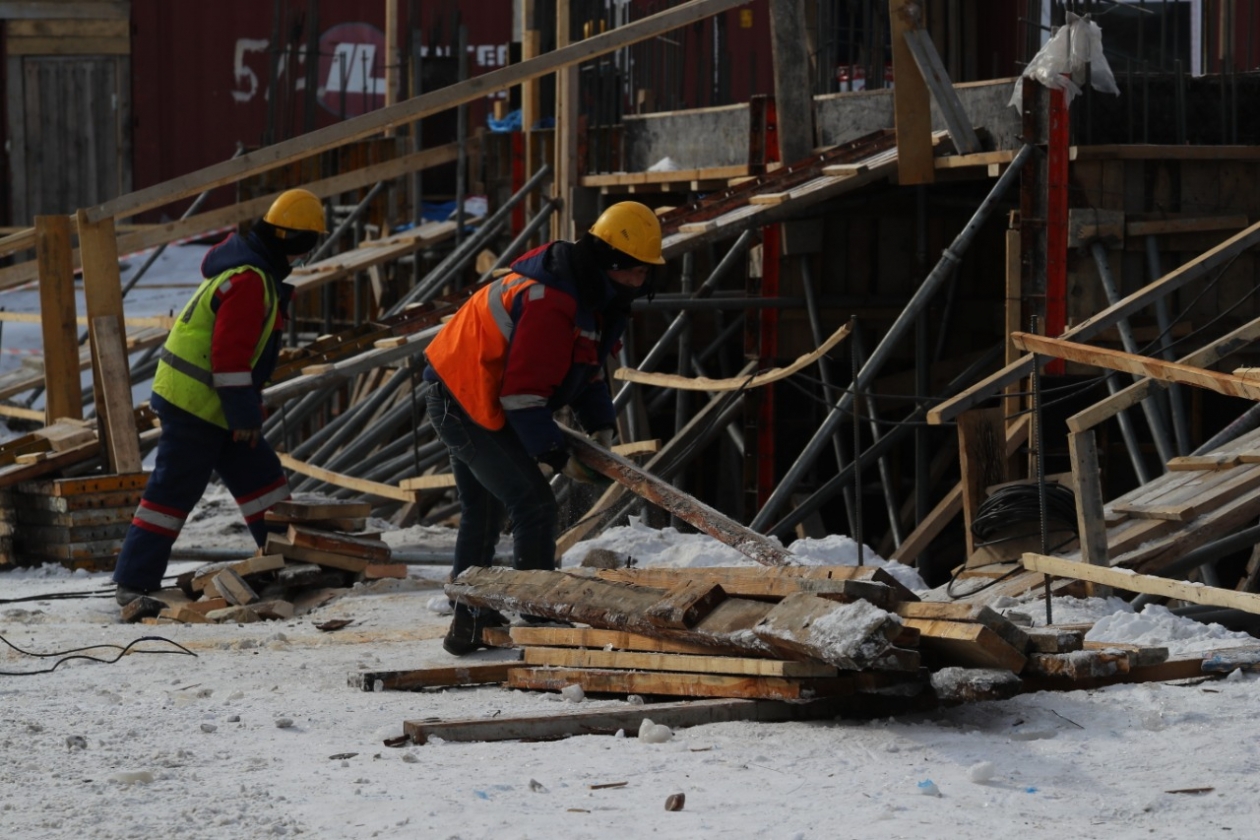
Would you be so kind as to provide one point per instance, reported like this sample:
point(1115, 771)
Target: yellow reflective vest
point(184, 377)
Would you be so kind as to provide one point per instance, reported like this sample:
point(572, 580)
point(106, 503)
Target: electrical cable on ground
point(76, 653)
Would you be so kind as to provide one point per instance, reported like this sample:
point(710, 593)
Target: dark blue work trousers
point(494, 476)
point(189, 451)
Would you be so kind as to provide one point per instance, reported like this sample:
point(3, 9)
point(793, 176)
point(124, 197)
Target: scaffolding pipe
point(549, 206)
point(922, 296)
point(1176, 397)
point(885, 445)
point(1150, 407)
point(434, 279)
point(885, 474)
point(829, 391)
point(667, 339)
point(345, 225)
point(325, 442)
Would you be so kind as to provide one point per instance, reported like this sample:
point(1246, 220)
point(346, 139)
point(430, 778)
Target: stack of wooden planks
point(784, 633)
point(77, 522)
point(292, 575)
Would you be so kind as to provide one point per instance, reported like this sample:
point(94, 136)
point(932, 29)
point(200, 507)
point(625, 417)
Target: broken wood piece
point(199, 579)
point(699, 664)
point(184, 615)
point(609, 721)
point(328, 559)
point(274, 609)
point(850, 636)
point(1140, 656)
point(1007, 630)
point(1195, 593)
point(964, 643)
point(1228, 661)
point(369, 549)
point(233, 588)
point(441, 677)
point(772, 582)
point(382, 571)
point(685, 604)
point(240, 615)
point(142, 607)
point(739, 383)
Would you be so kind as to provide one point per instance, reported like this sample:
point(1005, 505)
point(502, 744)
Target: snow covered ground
point(259, 734)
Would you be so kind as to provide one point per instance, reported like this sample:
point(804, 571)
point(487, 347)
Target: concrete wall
point(719, 136)
point(692, 139)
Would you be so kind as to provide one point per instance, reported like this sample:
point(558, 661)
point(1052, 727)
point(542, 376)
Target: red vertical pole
point(1057, 153)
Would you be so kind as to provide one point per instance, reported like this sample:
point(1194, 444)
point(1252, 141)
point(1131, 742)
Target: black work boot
point(464, 636)
point(124, 595)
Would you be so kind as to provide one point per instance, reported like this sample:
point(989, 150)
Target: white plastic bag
point(1061, 63)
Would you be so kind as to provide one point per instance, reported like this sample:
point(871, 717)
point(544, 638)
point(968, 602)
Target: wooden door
point(68, 101)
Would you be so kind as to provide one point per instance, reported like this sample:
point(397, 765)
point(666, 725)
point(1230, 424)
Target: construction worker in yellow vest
point(208, 389)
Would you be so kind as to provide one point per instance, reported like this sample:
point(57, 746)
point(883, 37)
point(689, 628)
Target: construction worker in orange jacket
point(208, 386)
point(519, 350)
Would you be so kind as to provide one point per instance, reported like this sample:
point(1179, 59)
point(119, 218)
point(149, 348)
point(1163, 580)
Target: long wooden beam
point(1138, 391)
point(1195, 593)
point(408, 111)
point(361, 485)
point(1013, 372)
point(160, 234)
point(1221, 383)
point(685, 507)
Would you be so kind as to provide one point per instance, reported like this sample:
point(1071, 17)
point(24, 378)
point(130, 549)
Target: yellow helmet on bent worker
point(294, 221)
point(632, 229)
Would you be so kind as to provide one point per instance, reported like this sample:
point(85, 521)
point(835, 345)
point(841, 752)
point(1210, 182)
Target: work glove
point(604, 437)
point(583, 474)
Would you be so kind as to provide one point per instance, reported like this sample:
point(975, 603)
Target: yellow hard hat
point(633, 229)
point(297, 210)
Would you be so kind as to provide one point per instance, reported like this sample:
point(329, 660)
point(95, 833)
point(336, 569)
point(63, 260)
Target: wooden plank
point(674, 662)
point(439, 677)
point(1131, 395)
point(1007, 630)
point(1078, 665)
point(590, 637)
point(937, 79)
point(762, 582)
point(369, 549)
point(1221, 383)
point(608, 721)
point(232, 588)
point(676, 685)
point(684, 604)
point(407, 111)
point(113, 401)
point(1196, 268)
point(850, 636)
point(87, 487)
point(1204, 463)
point(1087, 482)
point(369, 488)
point(687, 508)
point(701, 383)
point(77, 518)
point(965, 643)
point(1195, 593)
point(297, 511)
point(328, 559)
point(913, 113)
point(981, 459)
point(63, 390)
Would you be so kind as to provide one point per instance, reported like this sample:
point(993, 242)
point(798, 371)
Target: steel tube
point(922, 296)
point(1176, 397)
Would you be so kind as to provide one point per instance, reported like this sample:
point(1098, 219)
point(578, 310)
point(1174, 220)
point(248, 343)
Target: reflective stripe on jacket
point(470, 353)
point(184, 375)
